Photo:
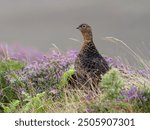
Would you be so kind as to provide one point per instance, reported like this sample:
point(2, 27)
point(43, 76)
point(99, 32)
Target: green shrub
point(8, 89)
point(28, 104)
point(112, 83)
point(10, 65)
point(10, 107)
point(66, 77)
point(143, 103)
point(34, 104)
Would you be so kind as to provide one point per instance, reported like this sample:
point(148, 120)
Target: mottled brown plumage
point(89, 64)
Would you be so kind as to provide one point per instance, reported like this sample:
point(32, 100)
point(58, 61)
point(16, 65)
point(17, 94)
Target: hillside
point(31, 81)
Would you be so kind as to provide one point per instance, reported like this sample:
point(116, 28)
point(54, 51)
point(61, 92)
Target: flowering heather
point(144, 73)
point(18, 53)
point(122, 89)
point(46, 72)
point(132, 94)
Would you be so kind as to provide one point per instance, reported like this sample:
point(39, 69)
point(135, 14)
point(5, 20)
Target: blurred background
point(40, 23)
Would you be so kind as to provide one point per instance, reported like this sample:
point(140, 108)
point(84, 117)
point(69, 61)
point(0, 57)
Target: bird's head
point(86, 32)
point(84, 28)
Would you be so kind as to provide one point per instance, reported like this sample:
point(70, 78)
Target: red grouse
point(89, 64)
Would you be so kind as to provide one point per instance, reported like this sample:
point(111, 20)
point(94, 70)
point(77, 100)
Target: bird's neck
point(87, 37)
point(88, 48)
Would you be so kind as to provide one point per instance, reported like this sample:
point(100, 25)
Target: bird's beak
point(78, 27)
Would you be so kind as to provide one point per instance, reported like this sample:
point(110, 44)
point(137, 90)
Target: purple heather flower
point(54, 91)
point(89, 110)
point(132, 93)
point(19, 53)
point(71, 55)
point(46, 72)
point(89, 97)
point(109, 60)
point(144, 73)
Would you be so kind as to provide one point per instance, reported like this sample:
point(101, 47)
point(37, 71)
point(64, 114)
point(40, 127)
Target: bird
point(89, 64)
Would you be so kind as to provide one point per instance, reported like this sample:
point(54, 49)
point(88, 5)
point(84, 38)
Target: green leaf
point(66, 77)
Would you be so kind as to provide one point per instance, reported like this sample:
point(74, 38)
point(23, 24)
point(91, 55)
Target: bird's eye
point(83, 26)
